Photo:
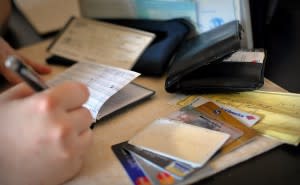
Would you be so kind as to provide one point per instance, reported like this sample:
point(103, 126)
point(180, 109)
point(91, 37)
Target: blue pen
point(16, 65)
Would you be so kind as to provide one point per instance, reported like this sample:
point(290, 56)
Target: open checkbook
point(110, 88)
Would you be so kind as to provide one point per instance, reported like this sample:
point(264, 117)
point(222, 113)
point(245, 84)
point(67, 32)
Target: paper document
point(102, 81)
point(280, 111)
point(100, 42)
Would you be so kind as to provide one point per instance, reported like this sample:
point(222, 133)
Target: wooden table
point(101, 166)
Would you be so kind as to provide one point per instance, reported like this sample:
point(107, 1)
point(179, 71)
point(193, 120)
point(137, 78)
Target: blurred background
point(269, 24)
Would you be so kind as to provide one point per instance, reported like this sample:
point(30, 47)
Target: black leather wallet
point(198, 66)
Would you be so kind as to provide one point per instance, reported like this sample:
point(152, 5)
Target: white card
point(180, 141)
point(246, 56)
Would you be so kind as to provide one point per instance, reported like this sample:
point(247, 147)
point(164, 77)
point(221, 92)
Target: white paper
point(246, 56)
point(102, 81)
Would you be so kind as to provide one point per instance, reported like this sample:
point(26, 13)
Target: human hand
point(43, 136)
point(5, 51)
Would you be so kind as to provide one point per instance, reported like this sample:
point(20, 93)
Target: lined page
point(102, 81)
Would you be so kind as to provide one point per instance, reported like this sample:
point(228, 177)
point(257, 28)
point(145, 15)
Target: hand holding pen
point(5, 51)
point(28, 75)
point(47, 133)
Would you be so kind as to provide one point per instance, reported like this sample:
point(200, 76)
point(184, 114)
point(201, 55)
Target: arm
point(43, 136)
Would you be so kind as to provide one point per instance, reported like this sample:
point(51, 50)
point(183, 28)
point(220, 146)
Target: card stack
point(171, 149)
point(167, 151)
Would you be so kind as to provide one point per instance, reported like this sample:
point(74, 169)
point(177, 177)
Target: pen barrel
point(33, 80)
point(28, 75)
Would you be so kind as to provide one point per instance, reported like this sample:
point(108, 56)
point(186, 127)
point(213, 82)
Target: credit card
point(249, 119)
point(213, 111)
point(191, 116)
point(155, 174)
point(132, 168)
point(179, 169)
point(246, 118)
point(182, 142)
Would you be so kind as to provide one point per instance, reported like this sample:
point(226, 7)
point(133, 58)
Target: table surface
point(279, 166)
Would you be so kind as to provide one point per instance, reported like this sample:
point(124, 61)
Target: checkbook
point(109, 87)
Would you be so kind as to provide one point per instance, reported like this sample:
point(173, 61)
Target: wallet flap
point(202, 50)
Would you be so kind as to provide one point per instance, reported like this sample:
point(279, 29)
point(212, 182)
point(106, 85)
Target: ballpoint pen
point(16, 65)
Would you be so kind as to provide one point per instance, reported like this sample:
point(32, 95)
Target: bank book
point(180, 141)
point(100, 42)
point(109, 87)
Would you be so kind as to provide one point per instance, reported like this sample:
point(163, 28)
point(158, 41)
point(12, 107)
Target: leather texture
point(198, 66)
point(224, 77)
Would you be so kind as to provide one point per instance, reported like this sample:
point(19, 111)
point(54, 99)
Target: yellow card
point(213, 111)
point(281, 112)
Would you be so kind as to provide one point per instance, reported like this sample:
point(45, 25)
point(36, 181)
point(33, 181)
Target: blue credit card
point(179, 169)
point(134, 171)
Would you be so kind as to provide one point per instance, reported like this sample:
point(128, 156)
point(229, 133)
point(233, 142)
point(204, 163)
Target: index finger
point(68, 95)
